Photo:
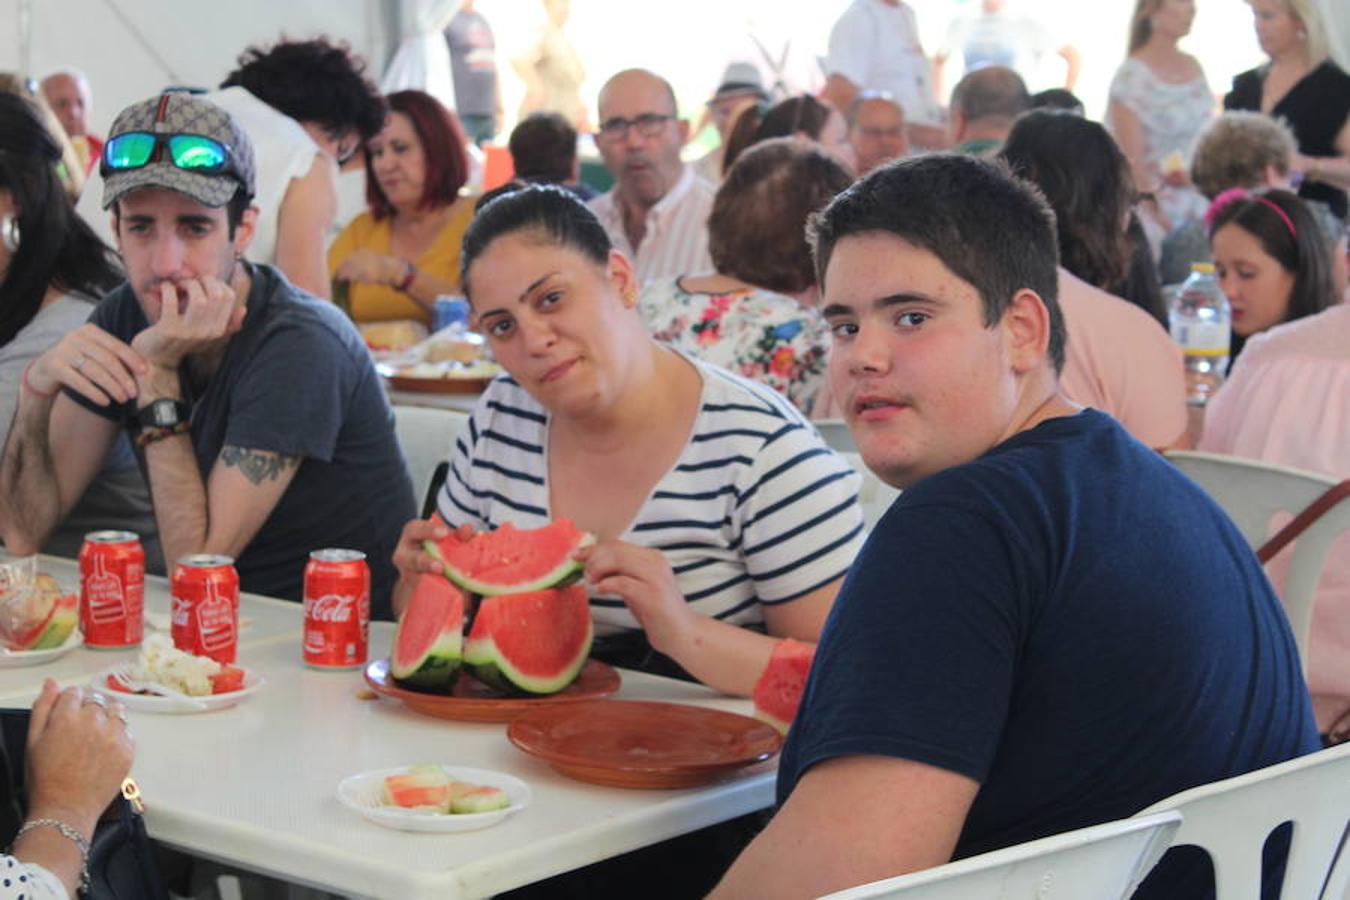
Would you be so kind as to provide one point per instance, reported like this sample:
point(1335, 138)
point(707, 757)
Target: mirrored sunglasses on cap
point(190, 152)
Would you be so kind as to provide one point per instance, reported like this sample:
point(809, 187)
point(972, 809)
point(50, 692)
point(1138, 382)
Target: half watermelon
point(511, 560)
point(534, 643)
point(430, 636)
point(779, 690)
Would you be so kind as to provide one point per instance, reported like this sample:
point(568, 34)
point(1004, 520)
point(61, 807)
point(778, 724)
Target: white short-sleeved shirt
point(876, 46)
point(756, 511)
point(676, 239)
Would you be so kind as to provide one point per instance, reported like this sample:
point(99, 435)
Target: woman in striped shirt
point(723, 519)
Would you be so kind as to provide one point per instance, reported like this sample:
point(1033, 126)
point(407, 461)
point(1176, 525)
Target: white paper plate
point(363, 793)
point(158, 704)
point(13, 659)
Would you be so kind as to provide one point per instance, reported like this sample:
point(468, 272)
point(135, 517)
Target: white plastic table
point(255, 786)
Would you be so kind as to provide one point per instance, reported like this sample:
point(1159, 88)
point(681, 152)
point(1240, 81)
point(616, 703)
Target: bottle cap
point(1204, 268)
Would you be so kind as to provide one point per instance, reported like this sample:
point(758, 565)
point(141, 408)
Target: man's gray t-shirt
point(295, 380)
point(473, 63)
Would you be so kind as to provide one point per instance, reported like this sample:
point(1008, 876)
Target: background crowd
point(665, 255)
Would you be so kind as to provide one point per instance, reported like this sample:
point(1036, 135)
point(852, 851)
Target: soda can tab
point(112, 590)
point(337, 609)
point(450, 309)
point(204, 611)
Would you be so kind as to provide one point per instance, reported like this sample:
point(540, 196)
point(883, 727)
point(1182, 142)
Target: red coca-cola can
point(337, 609)
point(112, 590)
point(205, 610)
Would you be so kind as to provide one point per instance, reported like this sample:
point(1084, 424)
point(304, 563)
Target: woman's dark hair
point(544, 148)
point(1302, 252)
point(312, 81)
point(1086, 179)
point(1057, 98)
point(759, 122)
point(552, 213)
point(446, 163)
point(991, 230)
point(56, 248)
point(757, 229)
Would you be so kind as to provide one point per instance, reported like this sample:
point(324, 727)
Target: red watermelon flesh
point(532, 642)
point(778, 692)
point(511, 560)
point(430, 636)
point(56, 615)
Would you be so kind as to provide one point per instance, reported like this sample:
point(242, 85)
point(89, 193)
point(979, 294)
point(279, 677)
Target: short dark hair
point(445, 161)
point(544, 148)
point(988, 227)
point(760, 122)
point(553, 214)
point(1302, 251)
point(994, 92)
point(58, 249)
point(1058, 98)
point(757, 229)
point(312, 81)
point(1086, 178)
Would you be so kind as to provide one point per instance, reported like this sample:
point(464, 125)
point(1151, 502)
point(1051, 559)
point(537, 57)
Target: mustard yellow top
point(380, 302)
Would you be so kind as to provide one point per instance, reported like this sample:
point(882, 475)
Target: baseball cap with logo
point(209, 171)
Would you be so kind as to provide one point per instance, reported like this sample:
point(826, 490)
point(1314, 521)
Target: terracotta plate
point(438, 385)
point(472, 701)
point(642, 744)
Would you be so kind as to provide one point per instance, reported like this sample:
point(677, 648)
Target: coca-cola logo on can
point(330, 608)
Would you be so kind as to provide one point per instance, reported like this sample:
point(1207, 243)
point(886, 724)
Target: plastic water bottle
point(1202, 324)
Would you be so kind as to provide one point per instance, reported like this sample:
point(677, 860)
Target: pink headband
point(1232, 195)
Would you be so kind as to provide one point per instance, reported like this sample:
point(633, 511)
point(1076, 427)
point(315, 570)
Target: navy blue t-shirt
point(1069, 621)
point(295, 380)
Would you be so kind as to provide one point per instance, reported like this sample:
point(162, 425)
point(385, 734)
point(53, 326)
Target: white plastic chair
point(1252, 493)
point(875, 496)
point(1103, 862)
point(427, 436)
point(1231, 820)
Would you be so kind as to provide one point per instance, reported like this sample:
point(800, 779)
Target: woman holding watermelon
point(723, 521)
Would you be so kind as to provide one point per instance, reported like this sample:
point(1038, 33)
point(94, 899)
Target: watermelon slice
point(535, 642)
point(57, 616)
point(476, 798)
point(511, 560)
point(424, 786)
point(430, 636)
point(778, 692)
point(228, 679)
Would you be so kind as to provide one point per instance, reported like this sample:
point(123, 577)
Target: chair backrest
point(1104, 862)
point(1253, 493)
point(836, 434)
point(1231, 819)
point(427, 435)
point(875, 496)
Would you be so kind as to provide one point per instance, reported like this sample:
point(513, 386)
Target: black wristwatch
point(163, 413)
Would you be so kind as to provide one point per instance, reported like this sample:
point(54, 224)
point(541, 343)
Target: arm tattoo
point(257, 465)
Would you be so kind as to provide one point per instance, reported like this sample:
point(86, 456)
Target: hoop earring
point(9, 233)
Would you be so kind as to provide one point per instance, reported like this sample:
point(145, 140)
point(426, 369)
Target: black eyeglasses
point(647, 124)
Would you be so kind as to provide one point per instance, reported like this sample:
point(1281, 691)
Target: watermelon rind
point(65, 616)
point(489, 663)
point(435, 668)
point(567, 571)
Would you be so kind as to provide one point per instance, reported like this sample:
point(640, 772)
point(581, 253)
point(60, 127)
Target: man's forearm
point(176, 486)
point(30, 498)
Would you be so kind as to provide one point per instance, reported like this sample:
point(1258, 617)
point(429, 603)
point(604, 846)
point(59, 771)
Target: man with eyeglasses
point(305, 105)
point(876, 129)
point(657, 212)
point(259, 420)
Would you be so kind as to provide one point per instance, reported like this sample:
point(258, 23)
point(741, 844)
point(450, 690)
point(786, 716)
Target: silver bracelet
point(68, 832)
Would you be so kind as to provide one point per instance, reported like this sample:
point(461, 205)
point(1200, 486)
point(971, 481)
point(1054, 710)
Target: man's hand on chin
point(207, 312)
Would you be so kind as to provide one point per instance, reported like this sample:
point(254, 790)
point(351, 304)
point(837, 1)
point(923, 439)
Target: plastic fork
point(123, 677)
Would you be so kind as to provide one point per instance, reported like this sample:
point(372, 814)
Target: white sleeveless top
point(282, 151)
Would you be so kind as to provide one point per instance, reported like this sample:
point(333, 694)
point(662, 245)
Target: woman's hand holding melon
point(643, 579)
point(411, 558)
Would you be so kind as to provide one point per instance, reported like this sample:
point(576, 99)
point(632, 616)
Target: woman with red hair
point(404, 252)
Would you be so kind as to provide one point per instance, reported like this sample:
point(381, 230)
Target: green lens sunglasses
point(192, 152)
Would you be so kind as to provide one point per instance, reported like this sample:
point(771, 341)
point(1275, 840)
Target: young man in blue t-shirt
point(1051, 627)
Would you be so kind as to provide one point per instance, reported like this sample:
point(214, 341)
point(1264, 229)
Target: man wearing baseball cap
point(259, 419)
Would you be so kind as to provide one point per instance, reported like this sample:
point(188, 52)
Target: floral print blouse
point(760, 335)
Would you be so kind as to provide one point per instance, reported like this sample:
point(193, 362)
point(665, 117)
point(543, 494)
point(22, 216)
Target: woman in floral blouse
point(757, 315)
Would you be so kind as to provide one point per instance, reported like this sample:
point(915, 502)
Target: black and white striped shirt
point(756, 511)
